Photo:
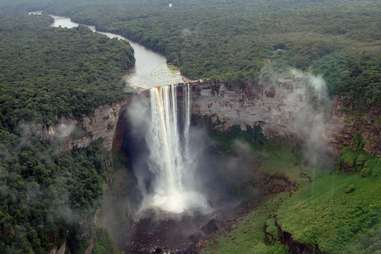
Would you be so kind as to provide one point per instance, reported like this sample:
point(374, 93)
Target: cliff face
point(77, 133)
point(281, 110)
point(284, 110)
point(368, 125)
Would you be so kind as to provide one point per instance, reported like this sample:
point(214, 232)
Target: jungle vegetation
point(49, 73)
point(49, 197)
point(56, 73)
point(331, 211)
point(232, 40)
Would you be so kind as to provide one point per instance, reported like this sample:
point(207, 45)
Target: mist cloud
point(306, 100)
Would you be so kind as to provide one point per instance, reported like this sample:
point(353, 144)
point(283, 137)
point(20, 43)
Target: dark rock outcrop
point(294, 246)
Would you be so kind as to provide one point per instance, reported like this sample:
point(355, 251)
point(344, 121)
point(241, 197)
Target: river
point(151, 69)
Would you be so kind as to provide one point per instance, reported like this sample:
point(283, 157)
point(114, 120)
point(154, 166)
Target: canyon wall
point(367, 124)
point(273, 109)
point(277, 109)
point(281, 110)
point(72, 133)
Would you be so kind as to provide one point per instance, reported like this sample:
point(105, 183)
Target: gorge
point(166, 173)
point(168, 136)
point(167, 133)
point(168, 144)
point(190, 127)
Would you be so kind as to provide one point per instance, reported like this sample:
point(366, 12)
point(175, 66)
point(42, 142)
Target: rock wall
point(282, 110)
point(367, 124)
point(278, 113)
point(72, 133)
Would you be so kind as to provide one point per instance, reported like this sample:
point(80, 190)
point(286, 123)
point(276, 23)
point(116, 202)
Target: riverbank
point(150, 70)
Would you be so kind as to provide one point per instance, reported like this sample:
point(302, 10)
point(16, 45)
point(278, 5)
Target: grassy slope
point(248, 236)
point(338, 212)
point(335, 212)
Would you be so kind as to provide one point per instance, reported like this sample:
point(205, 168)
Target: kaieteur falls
point(171, 160)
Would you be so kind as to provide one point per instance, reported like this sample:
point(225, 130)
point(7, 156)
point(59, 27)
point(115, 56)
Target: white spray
point(169, 146)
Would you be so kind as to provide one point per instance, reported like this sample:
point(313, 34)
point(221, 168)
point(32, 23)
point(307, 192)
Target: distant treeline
point(232, 40)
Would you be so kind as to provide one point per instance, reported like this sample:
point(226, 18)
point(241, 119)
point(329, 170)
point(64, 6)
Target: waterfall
point(169, 146)
point(187, 109)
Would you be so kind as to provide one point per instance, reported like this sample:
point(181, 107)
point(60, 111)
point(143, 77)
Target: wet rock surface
point(159, 232)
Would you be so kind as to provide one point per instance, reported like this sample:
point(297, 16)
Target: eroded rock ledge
point(278, 110)
point(281, 110)
point(78, 133)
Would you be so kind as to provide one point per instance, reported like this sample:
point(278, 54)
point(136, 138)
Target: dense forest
point(231, 40)
point(48, 73)
point(48, 197)
point(45, 73)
